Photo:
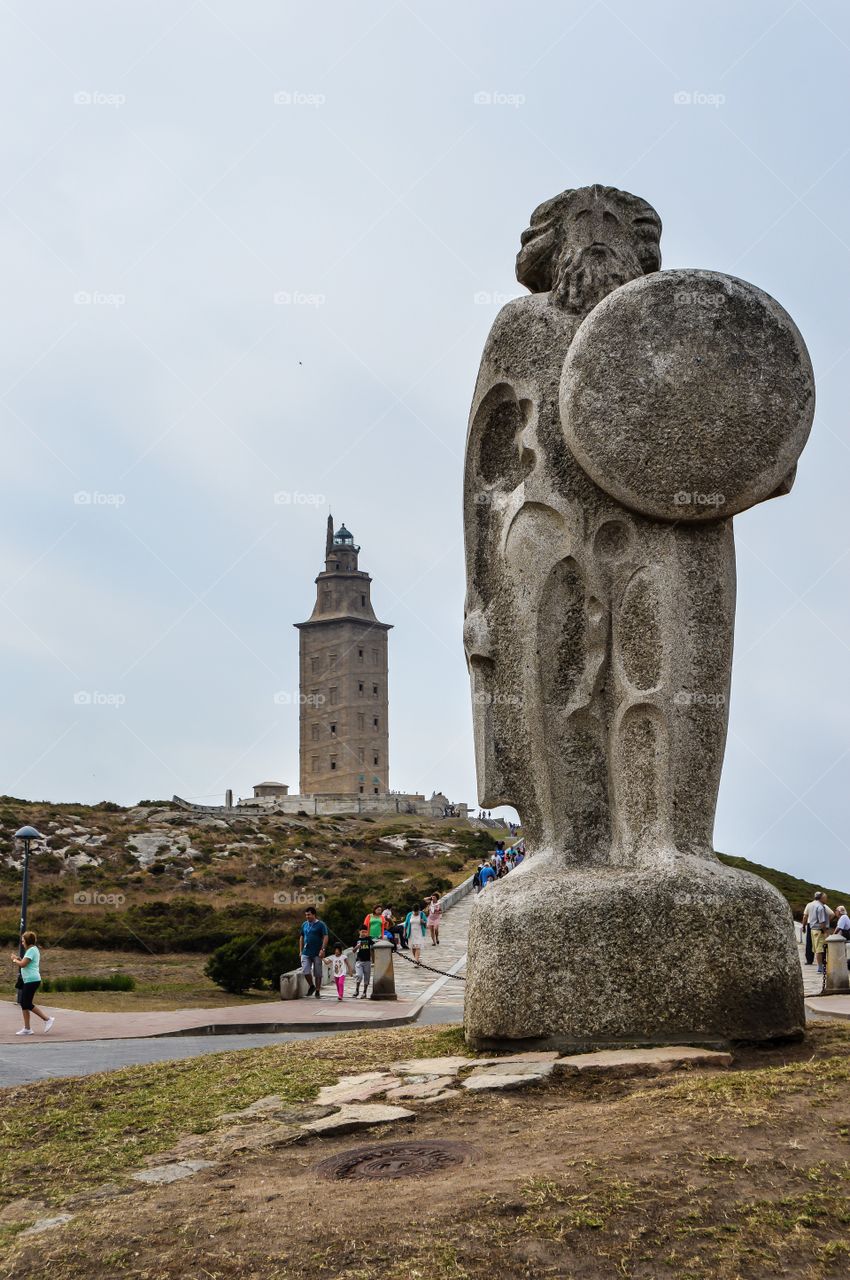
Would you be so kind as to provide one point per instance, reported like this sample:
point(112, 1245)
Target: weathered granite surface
point(621, 416)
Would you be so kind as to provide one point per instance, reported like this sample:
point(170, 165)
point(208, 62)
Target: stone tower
point(344, 737)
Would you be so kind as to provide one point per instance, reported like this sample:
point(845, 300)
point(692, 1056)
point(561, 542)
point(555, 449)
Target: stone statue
point(622, 416)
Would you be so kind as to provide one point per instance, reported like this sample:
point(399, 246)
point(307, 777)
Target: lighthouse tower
point(344, 735)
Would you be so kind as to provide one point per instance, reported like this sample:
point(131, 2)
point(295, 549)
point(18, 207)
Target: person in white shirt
point(818, 916)
point(340, 969)
point(841, 924)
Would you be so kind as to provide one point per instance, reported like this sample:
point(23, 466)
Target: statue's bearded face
point(585, 243)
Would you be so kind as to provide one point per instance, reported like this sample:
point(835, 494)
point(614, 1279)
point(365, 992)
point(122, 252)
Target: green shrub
point(280, 956)
point(236, 966)
point(114, 982)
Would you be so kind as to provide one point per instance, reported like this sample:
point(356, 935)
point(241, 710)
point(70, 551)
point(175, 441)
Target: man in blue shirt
point(487, 874)
point(314, 939)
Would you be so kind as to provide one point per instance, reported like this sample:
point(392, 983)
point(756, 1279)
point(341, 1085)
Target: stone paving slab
point(47, 1224)
point(419, 1088)
point(356, 1088)
point(357, 1116)
point(506, 1077)
point(624, 1062)
point(162, 1174)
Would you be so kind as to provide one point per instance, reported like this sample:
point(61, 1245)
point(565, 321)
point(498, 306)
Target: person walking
point(364, 947)
point(340, 969)
point(374, 923)
point(488, 874)
point(435, 917)
point(313, 941)
point(415, 929)
point(29, 975)
point(817, 916)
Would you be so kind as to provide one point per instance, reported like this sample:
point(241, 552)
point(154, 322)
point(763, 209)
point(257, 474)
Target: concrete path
point(278, 1016)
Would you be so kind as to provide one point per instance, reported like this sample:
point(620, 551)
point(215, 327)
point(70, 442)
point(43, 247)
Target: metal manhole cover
point(395, 1160)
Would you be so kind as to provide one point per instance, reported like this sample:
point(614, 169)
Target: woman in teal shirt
point(414, 931)
point(29, 973)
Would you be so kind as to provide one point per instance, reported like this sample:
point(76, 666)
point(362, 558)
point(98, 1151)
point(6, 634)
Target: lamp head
point(28, 833)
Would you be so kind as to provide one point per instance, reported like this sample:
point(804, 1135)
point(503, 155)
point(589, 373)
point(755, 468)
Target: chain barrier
point(429, 967)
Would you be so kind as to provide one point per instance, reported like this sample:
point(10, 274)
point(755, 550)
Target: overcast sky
point(252, 251)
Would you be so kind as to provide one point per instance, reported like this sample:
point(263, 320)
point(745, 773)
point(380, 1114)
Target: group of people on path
point(500, 862)
point(818, 924)
point(380, 924)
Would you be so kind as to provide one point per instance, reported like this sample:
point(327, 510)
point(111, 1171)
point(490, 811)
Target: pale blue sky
point(156, 198)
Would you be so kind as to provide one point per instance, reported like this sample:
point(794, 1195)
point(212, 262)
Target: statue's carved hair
point(543, 240)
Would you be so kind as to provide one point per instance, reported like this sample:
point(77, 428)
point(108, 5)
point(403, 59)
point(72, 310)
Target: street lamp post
point(27, 834)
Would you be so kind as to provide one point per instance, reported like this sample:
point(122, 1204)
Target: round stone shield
point(688, 395)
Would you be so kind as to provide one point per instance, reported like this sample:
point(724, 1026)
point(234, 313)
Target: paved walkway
point(415, 987)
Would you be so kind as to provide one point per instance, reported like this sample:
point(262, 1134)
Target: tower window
point(333, 762)
point(375, 722)
point(334, 695)
point(374, 657)
point(363, 602)
point(360, 689)
point(375, 789)
point(332, 659)
point(361, 755)
point(315, 664)
point(361, 720)
point(374, 691)
point(375, 758)
point(333, 729)
point(315, 764)
point(362, 790)
point(360, 655)
point(314, 732)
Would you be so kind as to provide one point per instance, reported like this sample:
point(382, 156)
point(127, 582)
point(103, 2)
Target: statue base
point(580, 957)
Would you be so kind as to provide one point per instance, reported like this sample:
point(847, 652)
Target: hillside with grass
point(798, 892)
point(160, 879)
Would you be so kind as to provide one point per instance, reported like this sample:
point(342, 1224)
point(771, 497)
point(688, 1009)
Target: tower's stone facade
point(344, 736)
